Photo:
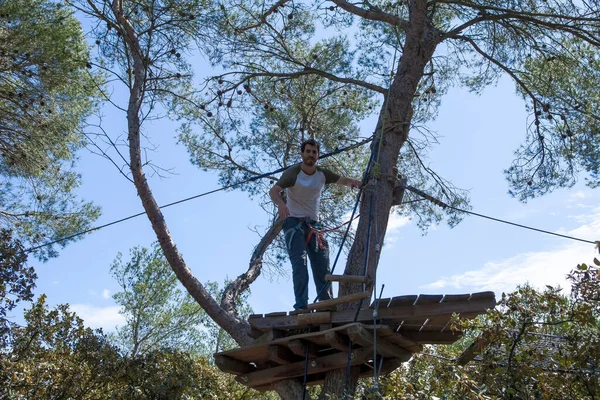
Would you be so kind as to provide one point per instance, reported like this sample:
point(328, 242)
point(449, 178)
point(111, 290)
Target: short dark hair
point(312, 142)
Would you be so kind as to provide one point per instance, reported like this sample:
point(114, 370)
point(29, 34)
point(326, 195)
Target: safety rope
point(375, 316)
point(373, 161)
point(230, 186)
point(445, 205)
point(305, 373)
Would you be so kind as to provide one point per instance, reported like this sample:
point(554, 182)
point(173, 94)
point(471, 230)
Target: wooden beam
point(299, 346)
point(280, 355)
point(429, 337)
point(482, 295)
point(275, 314)
point(346, 278)
point(294, 370)
point(339, 300)
point(390, 313)
point(391, 336)
point(268, 336)
point(360, 335)
point(382, 303)
point(474, 349)
point(315, 318)
point(403, 301)
point(388, 366)
point(398, 192)
point(233, 366)
point(337, 341)
point(429, 299)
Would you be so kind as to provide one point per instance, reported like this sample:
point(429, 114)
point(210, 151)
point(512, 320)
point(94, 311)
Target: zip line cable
point(254, 178)
point(444, 205)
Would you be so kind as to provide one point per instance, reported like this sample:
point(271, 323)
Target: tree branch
point(233, 291)
point(372, 14)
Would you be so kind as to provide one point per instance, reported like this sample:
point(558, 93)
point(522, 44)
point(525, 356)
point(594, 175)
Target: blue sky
point(478, 135)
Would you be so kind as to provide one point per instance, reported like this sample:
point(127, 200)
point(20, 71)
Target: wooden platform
point(404, 325)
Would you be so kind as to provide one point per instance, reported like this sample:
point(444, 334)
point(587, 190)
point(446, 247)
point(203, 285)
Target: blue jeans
point(296, 232)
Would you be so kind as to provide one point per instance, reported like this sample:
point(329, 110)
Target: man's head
point(310, 152)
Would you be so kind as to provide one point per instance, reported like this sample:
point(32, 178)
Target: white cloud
point(106, 294)
point(577, 196)
point(395, 223)
point(538, 268)
point(99, 317)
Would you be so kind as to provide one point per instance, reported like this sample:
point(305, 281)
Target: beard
point(310, 161)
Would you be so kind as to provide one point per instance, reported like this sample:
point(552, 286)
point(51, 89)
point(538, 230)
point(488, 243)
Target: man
point(304, 184)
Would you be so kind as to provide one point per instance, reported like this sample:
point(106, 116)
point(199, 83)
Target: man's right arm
point(282, 209)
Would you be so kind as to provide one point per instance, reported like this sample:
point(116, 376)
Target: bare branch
point(233, 291)
point(372, 14)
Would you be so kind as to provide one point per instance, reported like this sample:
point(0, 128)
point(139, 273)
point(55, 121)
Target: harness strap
point(319, 235)
point(292, 232)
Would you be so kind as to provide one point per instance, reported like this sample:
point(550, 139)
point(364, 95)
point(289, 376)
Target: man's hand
point(283, 211)
point(351, 183)
point(354, 183)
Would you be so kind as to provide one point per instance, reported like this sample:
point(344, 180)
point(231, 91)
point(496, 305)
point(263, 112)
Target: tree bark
point(420, 43)
point(237, 328)
point(391, 134)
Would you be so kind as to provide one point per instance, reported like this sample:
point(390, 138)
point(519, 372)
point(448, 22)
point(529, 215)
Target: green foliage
point(160, 313)
point(564, 135)
point(16, 279)
point(167, 32)
point(285, 113)
point(55, 357)
point(46, 93)
point(543, 345)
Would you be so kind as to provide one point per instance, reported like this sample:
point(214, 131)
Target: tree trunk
point(238, 329)
point(289, 389)
point(391, 134)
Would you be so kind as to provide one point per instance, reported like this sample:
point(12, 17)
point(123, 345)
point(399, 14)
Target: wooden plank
point(389, 365)
point(269, 335)
point(483, 295)
point(257, 352)
point(337, 340)
point(299, 346)
point(390, 335)
point(382, 302)
point(429, 299)
point(426, 337)
point(276, 314)
point(339, 300)
point(295, 370)
point(315, 318)
point(403, 301)
point(255, 316)
point(453, 298)
point(233, 366)
point(475, 348)
point(360, 335)
point(389, 313)
point(346, 278)
point(280, 355)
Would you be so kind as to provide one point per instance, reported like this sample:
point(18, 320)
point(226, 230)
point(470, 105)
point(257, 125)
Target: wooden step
point(325, 304)
point(346, 278)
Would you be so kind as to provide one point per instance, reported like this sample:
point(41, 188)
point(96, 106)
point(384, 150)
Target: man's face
point(310, 155)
